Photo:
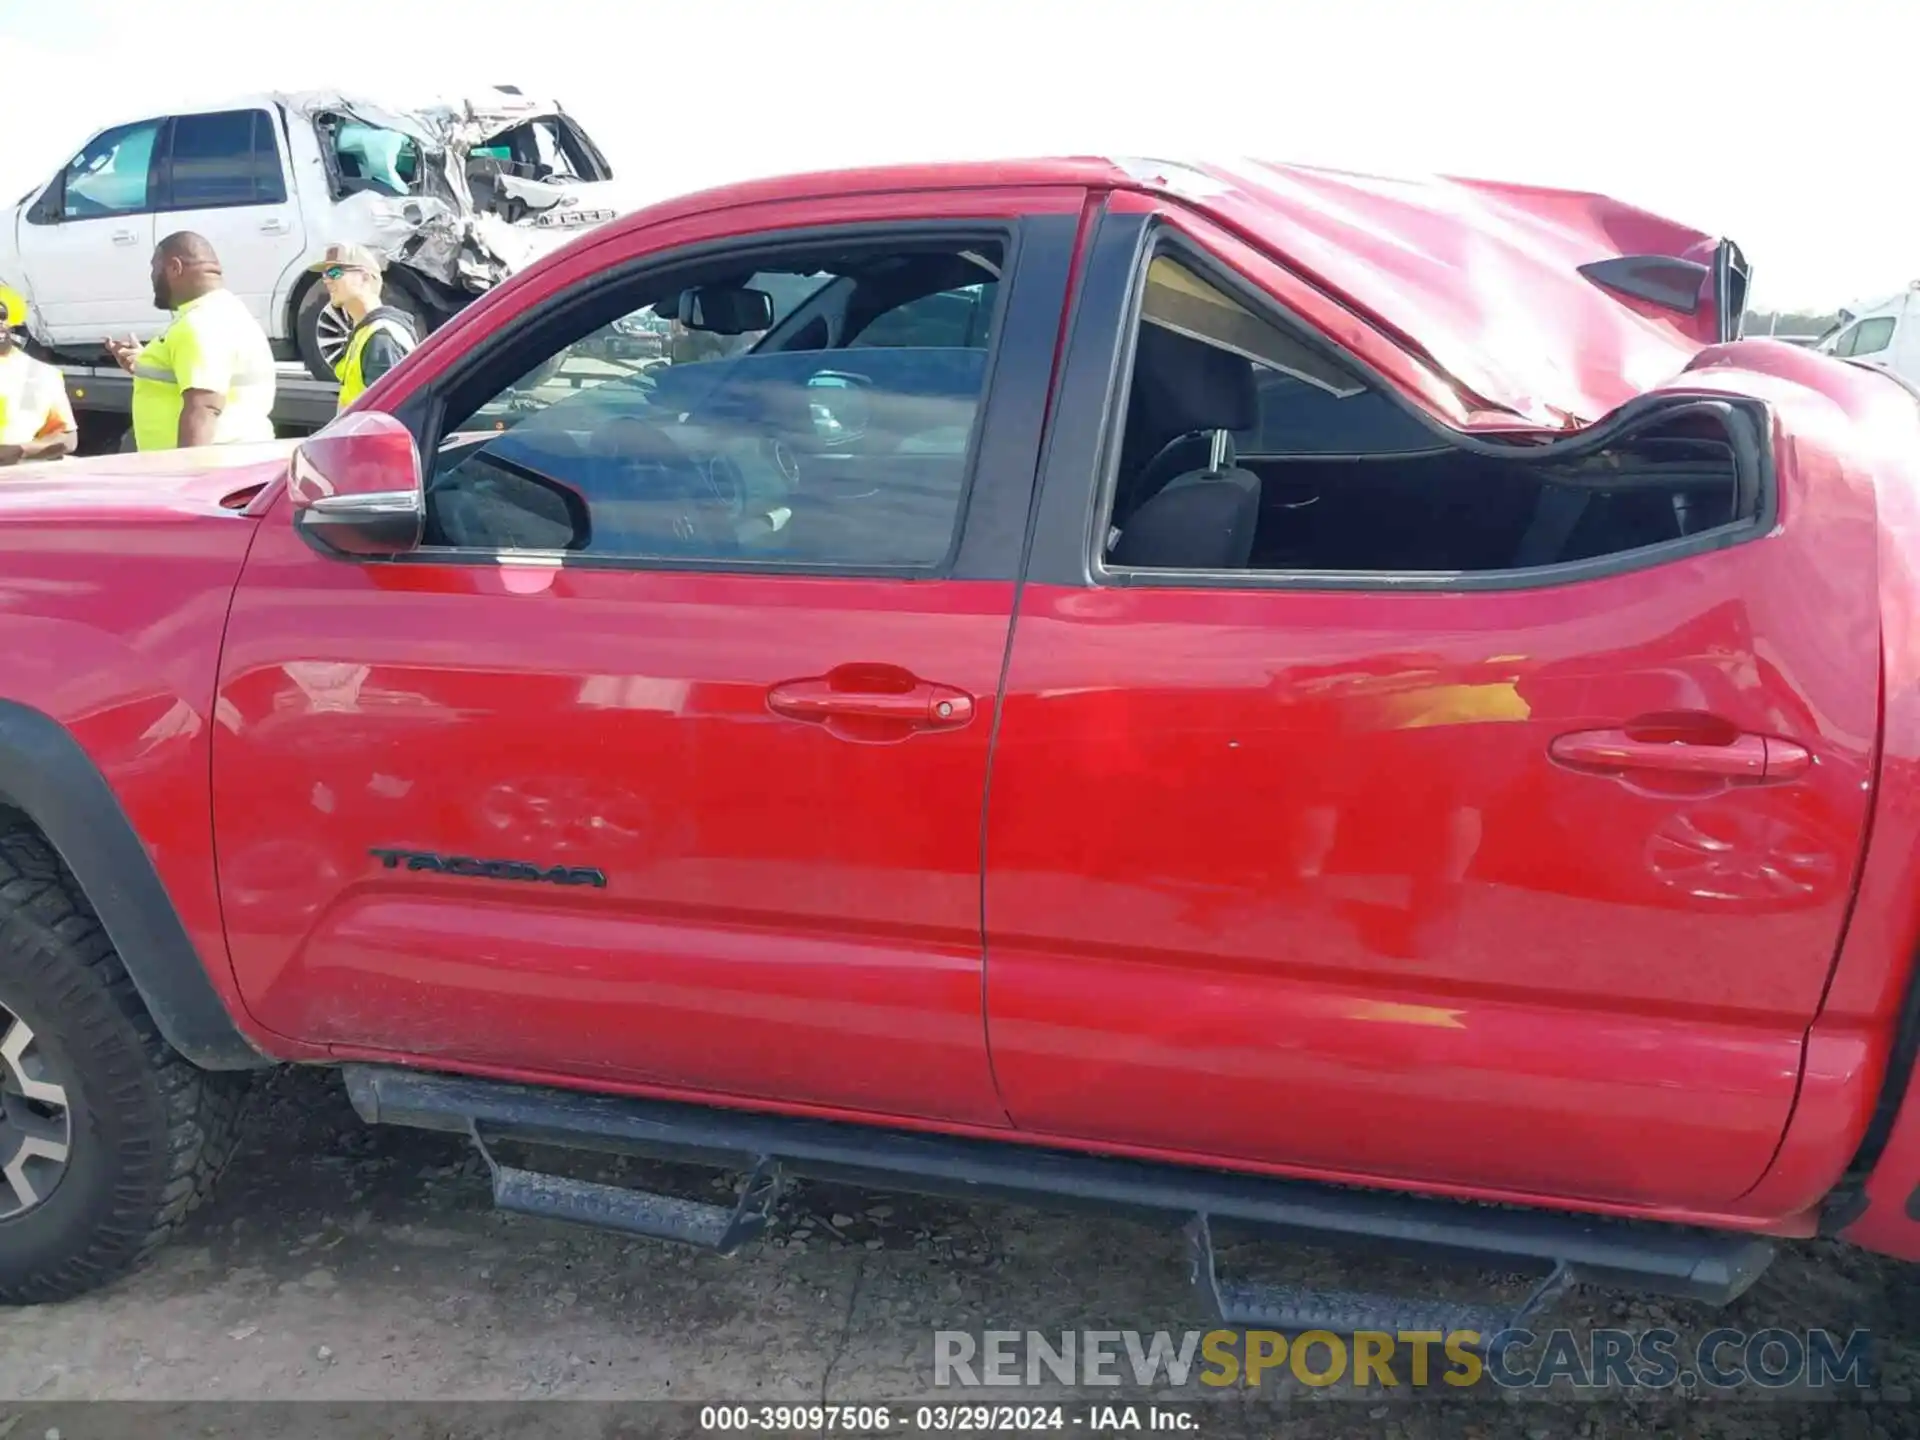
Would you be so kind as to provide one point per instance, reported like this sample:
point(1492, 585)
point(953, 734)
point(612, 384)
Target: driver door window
point(366, 157)
point(112, 176)
point(721, 425)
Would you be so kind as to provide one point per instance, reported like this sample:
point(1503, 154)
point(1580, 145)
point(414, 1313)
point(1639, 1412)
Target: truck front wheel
point(107, 1137)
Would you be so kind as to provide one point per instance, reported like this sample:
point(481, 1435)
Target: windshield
point(549, 148)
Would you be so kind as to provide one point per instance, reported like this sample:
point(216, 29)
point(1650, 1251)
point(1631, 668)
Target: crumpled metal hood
point(443, 232)
point(1484, 277)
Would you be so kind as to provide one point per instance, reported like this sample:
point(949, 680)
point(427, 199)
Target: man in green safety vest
point(209, 378)
point(382, 335)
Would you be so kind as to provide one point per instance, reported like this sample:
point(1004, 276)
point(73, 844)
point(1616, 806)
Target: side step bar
point(1294, 1309)
point(637, 1212)
point(1701, 1265)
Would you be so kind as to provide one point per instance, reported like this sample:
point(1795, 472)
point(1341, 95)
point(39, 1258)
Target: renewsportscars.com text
point(1610, 1359)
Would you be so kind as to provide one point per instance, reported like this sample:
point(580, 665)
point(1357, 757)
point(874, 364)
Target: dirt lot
point(343, 1264)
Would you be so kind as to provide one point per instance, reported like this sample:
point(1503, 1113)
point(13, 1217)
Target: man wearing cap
point(36, 418)
point(382, 335)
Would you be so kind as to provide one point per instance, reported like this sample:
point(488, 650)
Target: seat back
point(1184, 391)
point(1201, 520)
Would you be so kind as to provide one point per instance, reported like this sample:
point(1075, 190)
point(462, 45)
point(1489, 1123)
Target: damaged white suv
point(457, 196)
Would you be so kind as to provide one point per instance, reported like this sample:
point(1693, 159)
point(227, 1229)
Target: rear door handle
point(275, 227)
point(124, 237)
point(916, 706)
point(1745, 757)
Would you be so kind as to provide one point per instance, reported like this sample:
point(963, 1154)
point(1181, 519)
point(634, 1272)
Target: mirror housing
point(358, 487)
point(724, 309)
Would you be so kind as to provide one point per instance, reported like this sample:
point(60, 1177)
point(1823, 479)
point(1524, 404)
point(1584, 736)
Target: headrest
point(1192, 385)
point(1196, 523)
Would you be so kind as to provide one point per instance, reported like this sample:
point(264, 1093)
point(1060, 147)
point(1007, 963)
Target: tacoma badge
point(392, 859)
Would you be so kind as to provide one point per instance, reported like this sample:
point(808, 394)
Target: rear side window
point(111, 176)
point(1244, 450)
point(226, 158)
point(1305, 404)
point(1302, 417)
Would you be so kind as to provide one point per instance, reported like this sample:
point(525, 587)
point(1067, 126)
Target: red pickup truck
point(1352, 708)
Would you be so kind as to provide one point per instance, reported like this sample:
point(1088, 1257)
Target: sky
point(1746, 120)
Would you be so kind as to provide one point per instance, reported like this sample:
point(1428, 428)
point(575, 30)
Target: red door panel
point(788, 912)
point(1296, 877)
point(709, 823)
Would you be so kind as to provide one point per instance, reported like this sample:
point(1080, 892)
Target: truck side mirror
point(358, 488)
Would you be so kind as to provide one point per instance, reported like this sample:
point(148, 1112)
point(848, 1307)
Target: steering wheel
point(656, 493)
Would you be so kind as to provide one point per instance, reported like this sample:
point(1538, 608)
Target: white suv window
point(1872, 336)
point(224, 158)
point(112, 175)
point(1863, 337)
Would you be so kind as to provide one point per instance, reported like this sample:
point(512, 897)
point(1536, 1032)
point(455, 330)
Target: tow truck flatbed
point(301, 404)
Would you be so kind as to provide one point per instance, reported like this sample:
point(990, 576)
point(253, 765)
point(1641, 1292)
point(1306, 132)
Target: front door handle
point(124, 237)
point(275, 227)
point(891, 700)
point(1743, 757)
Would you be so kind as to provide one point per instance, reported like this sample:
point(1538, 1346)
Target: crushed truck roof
point(1555, 306)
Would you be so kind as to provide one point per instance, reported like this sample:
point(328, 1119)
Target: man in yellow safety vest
point(382, 335)
point(209, 378)
point(36, 418)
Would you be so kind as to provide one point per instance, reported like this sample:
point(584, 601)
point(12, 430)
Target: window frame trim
point(424, 412)
point(1747, 422)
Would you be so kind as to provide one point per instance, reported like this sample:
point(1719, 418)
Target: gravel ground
point(345, 1264)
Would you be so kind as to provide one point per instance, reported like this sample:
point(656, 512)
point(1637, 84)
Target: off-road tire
point(150, 1132)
